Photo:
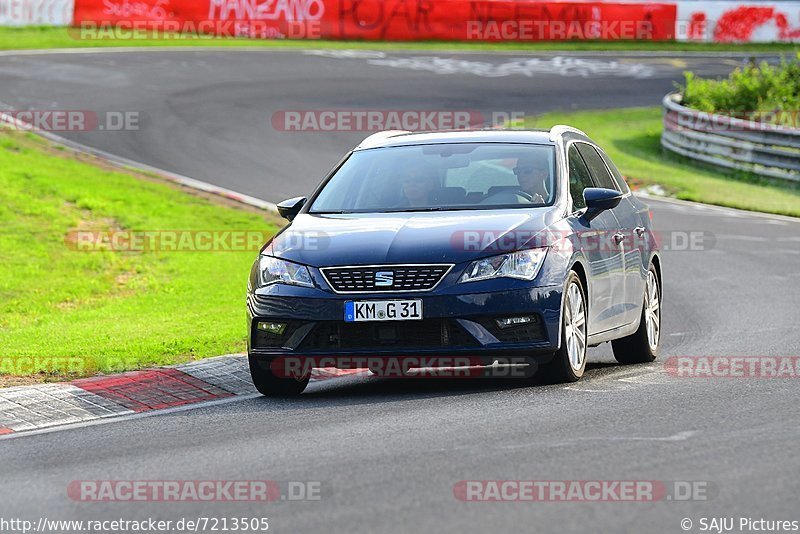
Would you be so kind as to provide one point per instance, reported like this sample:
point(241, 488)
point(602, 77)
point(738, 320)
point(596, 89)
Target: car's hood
point(392, 238)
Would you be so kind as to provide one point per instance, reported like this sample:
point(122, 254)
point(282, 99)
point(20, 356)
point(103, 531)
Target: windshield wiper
point(429, 208)
point(338, 212)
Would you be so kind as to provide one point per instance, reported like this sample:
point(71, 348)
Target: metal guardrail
point(763, 149)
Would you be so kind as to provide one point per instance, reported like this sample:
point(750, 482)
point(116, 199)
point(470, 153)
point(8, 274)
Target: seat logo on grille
point(384, 279)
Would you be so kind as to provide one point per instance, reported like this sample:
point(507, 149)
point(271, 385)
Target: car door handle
point(639, 230)
point(618, 237)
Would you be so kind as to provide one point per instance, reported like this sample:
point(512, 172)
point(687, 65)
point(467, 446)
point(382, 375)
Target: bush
point(773, 91)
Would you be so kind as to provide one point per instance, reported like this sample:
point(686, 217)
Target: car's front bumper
point(453, 324)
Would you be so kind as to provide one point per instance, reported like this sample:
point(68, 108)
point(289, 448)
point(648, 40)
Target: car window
point(441, 176)
point(597, 166)
point(622, 185)
point(579, 178)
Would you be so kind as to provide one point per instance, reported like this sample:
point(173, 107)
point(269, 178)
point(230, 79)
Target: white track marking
point(346, 54)
point(573, 388)
point(559, 65)
point(61, 406)
point(313, 385)
point(700, 207)
point(141, 415)
point(25, 408)
point(752, 238)
point(684, 435)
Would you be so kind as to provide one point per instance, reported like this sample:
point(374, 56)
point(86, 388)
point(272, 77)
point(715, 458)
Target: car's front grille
point(400, 335)
point(384, 278)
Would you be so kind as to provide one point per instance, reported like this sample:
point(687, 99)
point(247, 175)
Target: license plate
point(382, 310)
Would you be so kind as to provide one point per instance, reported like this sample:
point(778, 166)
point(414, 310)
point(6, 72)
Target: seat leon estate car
point(467, 247)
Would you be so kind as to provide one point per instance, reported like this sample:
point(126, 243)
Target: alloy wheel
point(575, 326)
point(652, 311)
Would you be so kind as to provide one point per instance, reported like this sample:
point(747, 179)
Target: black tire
point(637, 348)
point(559, 369)
point(270, 385)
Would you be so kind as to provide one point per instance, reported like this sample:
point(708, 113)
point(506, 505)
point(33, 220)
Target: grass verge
point(68, 312)
point(45, 37)
point(632, 138)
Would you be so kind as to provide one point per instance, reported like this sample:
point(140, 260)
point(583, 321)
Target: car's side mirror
point(599, 199)
point(290, 208)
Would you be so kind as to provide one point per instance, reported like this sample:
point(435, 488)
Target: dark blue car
point(457, 249)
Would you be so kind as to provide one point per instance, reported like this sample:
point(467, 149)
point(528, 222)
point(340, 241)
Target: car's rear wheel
point(269, 384)
point(569, 362)
point(642, 346)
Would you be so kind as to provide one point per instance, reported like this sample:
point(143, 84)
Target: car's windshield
point(441, 177)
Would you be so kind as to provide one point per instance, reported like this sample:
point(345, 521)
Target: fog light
point(514, 321)
point(272, 328)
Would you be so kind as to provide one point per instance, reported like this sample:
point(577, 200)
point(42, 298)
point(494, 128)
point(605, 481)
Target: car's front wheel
point(569, 362)
point(642, 345)
point(269, 384)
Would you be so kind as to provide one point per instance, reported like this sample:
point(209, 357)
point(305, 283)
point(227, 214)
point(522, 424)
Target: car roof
point(392, 138)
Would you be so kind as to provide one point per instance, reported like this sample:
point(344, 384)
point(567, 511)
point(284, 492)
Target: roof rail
point(560, 129)
point(380, 136)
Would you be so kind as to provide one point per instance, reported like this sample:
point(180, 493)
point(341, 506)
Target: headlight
point(275, 271)
point(524, 265)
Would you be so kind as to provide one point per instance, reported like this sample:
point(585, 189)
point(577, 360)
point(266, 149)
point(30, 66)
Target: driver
point(533, 175)
point(418, 183)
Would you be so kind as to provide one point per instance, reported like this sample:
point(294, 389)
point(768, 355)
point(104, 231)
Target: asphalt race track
point(388, 452)
point(207, 114)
